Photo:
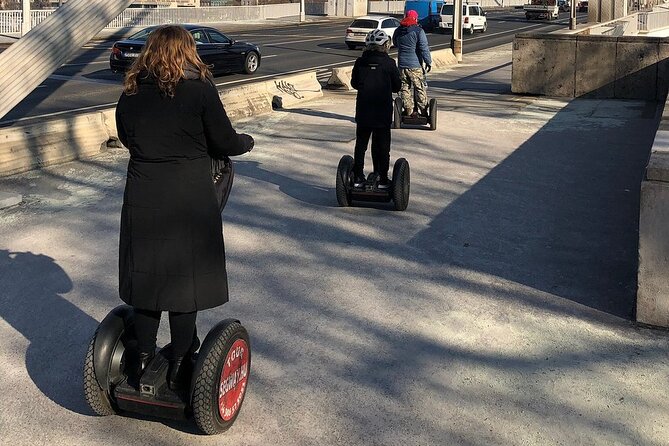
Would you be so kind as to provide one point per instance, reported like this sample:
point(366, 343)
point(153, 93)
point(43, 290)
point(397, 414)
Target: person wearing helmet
point(412, 52)
point(376, 77)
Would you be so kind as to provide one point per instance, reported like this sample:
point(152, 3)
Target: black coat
point(171, 255)
point(376, 77)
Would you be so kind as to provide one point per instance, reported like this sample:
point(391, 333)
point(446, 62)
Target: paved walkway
point(495, 310)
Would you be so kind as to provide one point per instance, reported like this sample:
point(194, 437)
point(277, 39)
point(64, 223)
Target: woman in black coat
point(172, 256)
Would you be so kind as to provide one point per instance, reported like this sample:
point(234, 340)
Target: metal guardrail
point(10, 21)
point(649, 21)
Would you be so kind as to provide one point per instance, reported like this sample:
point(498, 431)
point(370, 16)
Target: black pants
point(182, 330)
point(380, 149)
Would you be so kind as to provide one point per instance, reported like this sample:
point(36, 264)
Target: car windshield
point(363, 23)
point(447, 10)
point(142, 35)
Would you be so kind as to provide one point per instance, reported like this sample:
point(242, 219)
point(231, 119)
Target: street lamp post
point(456, 42)
point(25, 18)
point(572, 14)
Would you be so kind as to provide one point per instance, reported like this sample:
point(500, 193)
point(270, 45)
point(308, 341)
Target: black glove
point(247, 140)
point(428, 67)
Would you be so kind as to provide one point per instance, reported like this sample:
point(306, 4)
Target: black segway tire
point(343, 184)
point(105, 360)
point(97, 399)
point(397, 113)
point(401, 179)
point(433, 114)
point(220, 377)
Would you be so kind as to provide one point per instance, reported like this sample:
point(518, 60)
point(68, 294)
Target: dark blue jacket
point(376, 78)
point(412, 47)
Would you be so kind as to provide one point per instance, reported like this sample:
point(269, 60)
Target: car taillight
point(466, 19)
point(116, 51)
point(349, 31)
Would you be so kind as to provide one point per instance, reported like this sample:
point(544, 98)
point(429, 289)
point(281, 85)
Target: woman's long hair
point(168, 52)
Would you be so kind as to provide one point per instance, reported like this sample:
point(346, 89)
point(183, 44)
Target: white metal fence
point(10, 21)
point(649, 21)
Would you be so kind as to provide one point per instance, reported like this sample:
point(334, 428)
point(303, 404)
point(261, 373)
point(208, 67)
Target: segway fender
point(106, 337)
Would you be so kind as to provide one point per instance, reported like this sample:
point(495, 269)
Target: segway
point(217, 386)
point(220, 369)
point(400, 117)
point(398, 191)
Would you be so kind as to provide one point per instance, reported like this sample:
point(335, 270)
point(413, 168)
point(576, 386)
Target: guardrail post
point(25, 17)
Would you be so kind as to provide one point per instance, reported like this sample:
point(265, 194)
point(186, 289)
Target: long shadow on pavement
point(32, 303)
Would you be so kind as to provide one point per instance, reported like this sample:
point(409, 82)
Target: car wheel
point(251, 63)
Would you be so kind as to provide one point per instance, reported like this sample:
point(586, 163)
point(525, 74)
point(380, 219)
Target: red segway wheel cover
point(232, 383)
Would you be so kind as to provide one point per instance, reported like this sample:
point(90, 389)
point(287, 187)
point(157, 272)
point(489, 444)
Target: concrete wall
point(653, 278)
point(590, 66)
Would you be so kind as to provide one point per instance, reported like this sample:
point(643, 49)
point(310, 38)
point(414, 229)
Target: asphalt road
point(86, 82)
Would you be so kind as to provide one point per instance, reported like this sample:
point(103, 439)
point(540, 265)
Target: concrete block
point(8, 199)
point(293, 90)
point(246, 100)
point(340, 78)
point(636, 68)
point(653, 286)
point(109, 120)
point(544, 64)
point(50, 142)
point(595, 66)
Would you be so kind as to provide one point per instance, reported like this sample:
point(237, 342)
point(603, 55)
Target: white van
point(473, 18)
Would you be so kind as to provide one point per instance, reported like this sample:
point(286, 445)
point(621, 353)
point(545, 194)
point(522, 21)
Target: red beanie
point(411, 18)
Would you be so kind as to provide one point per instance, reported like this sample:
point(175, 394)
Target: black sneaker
point(384, 183)
point(359, 180)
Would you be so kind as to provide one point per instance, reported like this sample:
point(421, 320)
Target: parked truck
point(428, 12)
point(542, 9)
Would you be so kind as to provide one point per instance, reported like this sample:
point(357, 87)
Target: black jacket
point(376, 77)
point(171, 254)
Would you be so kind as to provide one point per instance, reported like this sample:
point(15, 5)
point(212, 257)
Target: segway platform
point(400, 118)
point(397, 192)
point(153, 396)
point(217, 387)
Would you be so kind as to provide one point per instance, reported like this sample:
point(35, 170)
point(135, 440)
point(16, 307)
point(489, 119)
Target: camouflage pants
point(413, 79)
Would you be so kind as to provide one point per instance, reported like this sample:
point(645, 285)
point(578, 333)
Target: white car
point(473, 18)
point(360, 27)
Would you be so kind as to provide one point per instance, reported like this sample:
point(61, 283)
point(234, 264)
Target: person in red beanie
point(412, 52)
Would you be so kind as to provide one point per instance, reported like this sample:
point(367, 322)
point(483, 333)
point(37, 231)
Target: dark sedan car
point(221, 53)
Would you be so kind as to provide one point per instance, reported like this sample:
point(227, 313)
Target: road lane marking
point(61, 77)
point(84, 64)
point(304, 40)
point(268, 56)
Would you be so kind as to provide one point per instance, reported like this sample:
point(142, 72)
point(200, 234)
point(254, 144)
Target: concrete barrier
point(292, 90)
point(50, 142)
point(341, 76)
point(653, 281)
point(631, 67)
point(53, 141)
point(246, 100)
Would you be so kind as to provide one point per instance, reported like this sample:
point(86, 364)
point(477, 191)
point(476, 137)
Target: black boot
point(181, 368)
point(142, 360)
point(179, 373)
